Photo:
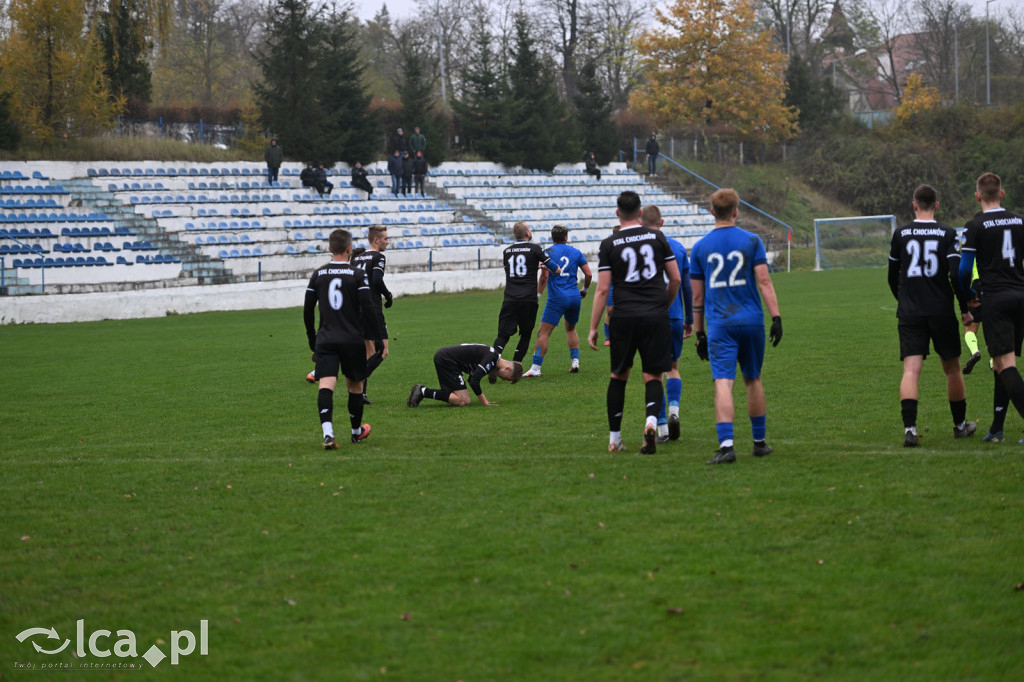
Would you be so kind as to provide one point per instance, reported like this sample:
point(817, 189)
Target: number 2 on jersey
point(930, 257)
point(650, 268)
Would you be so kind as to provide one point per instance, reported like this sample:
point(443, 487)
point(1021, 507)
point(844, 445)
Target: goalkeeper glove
point(775, 335)
point(388, 300)
point(702, 346)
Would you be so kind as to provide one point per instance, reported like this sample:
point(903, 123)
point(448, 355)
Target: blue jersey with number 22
point(724, 259)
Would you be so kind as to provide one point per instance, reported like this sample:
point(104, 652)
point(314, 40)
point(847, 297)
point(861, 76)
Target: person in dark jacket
point(359, 179)
point(592, 167)
point(321, 177)
point(418, 142)
point(419, 172)
point(308, 179)
point(652, 150)
point(395, 169)
point(407, 164)
point(273, 155)
point(399, 142)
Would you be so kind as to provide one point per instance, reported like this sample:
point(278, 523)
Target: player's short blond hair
point(989, 186)
point(520, 230)
point(724, 203)
point(650, 216)
point(376, 231)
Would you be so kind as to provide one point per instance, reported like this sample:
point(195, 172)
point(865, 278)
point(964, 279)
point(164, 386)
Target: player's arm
point(604, 282)
point(767, 289)
point(962, 297)
point(672, 271)
point(588, 277)
point(965, 272)
point(309, 317)
point(697, 285)
point(547, 262)
point(379, 287)
point(894, 277)
point(542, 281)
point(475, 376)
point(686, 292)
point(371, 330)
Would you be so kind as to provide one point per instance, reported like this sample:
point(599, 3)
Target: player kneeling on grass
point(347, 318)
point(474, 359)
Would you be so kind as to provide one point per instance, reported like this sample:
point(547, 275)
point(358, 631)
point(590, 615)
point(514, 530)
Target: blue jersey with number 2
point(724, 259)
point(570, 259)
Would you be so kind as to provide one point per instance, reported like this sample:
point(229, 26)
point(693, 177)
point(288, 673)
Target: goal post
point(855, 242)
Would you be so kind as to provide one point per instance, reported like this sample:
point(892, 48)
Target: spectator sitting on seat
point(359, 179)
point(419, 171)
point(309, 179)
point(321, 177)
point(395, 169)
point(591, 163)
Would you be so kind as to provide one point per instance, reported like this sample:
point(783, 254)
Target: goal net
point(857, 242)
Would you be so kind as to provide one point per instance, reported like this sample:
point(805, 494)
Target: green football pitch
point(161, 473)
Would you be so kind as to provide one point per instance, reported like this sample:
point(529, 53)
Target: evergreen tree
point(594, 116)
point(538, 133)
point(10, 137)
point(478, 111)
point(419, 106)
point(350, 131)
point(816, 100)
point(123, 31)
point(289, 95)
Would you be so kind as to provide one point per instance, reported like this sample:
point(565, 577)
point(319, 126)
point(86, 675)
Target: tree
point(10, 137)
point(918, 99)
point(594, 116)
point(53, 68)
point(535, 119)
point(419, 101)
point(816, 99)
point(123, 33)
point(478, 109)
point(708, 63)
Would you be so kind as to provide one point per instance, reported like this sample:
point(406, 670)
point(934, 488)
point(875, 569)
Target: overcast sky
point(403, 9)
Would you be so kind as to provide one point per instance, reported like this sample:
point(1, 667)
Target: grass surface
point(160, 472)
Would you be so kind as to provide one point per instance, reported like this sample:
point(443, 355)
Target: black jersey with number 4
point(521, 261)
point(373, 263)
point(341, 292)
point(997, 239)
point(927, 255)
point(636, 257)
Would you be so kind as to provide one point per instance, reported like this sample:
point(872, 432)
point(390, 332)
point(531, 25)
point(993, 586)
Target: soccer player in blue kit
point(729, 273)
point(564, 299)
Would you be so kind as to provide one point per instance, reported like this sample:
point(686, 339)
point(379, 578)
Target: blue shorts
point(677, 338)
point(731, 344)
point(557, 308)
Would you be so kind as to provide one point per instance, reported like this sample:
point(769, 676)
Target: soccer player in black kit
point(924, 261)
point(995, 237)
point(474, 359)
point(373, 262)
point(522, 291)
point(347, 318)
point(636, 260)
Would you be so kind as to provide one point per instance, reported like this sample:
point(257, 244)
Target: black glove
point(702, 346)
point(311, 337)
point(378, 345)
point(775, 335)
point(388, 300)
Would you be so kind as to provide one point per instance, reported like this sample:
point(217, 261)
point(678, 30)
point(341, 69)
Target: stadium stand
point(103, 227)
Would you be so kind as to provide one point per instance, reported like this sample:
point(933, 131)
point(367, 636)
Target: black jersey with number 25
point(927, 253)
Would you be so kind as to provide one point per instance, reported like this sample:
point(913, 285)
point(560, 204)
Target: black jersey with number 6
point(927, 254)
point(521, 261)
point(342, 293)
point(997, 239)
point(636, 257)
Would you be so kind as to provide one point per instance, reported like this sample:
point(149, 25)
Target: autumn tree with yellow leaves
point(917, 99)
point(52, 66)
point(707, 62)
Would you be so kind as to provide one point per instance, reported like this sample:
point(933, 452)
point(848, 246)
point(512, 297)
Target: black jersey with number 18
point(927, 253)
point(521, 261)
point(997, 239)
point(636, 257)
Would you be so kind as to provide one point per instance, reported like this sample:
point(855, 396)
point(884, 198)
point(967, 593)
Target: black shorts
point(651, 336)
point(521, 315)
point(941, 330)
point(1004, 326)
point(448, 374)
point(349, 357)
